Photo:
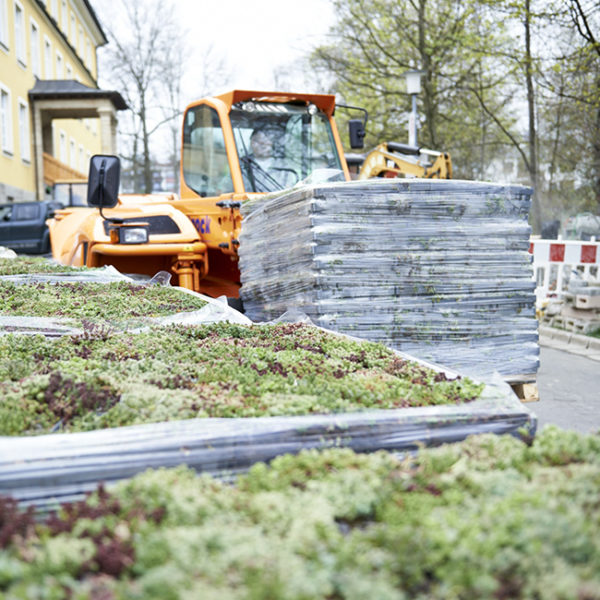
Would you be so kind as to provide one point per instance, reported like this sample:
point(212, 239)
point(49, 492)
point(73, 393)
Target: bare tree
point(146, 47)
point(586, 19)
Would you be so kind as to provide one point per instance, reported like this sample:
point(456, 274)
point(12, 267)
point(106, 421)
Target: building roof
point(96, 21)
point(45, 89)
point(92, 14)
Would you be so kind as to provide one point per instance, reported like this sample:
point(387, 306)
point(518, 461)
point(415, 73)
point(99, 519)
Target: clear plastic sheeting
point(49, 327)
point(438, 269)
point(49, 469)
point(215, 311)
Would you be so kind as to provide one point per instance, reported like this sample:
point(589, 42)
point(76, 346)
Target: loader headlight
point(133, 235)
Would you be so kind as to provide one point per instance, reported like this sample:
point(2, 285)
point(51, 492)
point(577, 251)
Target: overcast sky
point(252, 37)
point(256, 36)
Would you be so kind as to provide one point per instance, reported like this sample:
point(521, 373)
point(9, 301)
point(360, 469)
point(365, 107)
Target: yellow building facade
point(52, 115)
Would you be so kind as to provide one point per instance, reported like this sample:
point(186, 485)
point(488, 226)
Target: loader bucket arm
point(396, 160)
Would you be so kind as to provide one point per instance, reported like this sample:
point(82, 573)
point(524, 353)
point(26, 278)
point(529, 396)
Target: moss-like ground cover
point(113, 301)
point(32, 264)
point(489, 518)
point(77, 301)
point(106, 379)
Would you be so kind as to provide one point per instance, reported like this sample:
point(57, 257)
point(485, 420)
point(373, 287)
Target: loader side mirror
point(356, 131)
point(103, 181)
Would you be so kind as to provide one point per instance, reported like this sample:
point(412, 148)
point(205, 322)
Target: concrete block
point(562, 336)
point(587, 302)
point(594, 344)
point(579, 350)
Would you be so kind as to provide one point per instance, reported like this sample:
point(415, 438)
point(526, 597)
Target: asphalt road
point(569, 388)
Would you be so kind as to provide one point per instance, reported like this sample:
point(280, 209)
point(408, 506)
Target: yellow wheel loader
point(234, 146)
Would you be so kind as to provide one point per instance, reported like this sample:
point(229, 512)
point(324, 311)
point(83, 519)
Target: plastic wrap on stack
point(437, 269)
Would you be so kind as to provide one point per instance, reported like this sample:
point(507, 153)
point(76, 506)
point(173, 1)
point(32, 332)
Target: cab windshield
point(281, 144)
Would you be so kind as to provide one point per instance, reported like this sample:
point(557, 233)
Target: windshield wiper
point(253, 169)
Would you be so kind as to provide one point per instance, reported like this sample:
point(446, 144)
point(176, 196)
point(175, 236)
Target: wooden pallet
point(526, 392)
point(524, 386)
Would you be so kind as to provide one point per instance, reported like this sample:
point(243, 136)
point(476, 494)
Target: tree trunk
point(426, 66)
point(135, 165)
point(596, 154)
point(536, 213)
point(146, 149)
point(557, 128)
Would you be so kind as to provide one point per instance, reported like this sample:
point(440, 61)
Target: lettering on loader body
point(202, 225)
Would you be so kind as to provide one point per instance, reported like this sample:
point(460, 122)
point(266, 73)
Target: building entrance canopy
point(67, 99)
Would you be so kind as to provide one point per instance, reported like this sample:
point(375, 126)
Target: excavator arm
point(391, 159)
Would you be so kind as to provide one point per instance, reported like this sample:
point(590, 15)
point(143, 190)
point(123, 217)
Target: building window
point(69, 71)
point(47, 58)
point(73, 35)
point(81, 43)
point(88, 53)
point(24, 138)
point(65, 17)
point(81, 159)
point(4, 23)
point(54, 9)
point(20, 34)
point(35, 49)
point(63, 147)
point(72, 154)
point(6, 120)
point(60, 73)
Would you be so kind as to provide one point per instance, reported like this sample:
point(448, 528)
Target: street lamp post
point(413, 87)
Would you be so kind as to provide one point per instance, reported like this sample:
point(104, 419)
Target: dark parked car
point(23, 226)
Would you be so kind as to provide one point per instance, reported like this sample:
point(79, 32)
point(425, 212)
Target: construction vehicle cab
point(243, 143)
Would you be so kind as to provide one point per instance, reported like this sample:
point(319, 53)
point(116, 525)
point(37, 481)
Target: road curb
point(575, 343)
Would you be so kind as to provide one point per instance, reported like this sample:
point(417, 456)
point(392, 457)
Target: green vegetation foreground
point(487, 518)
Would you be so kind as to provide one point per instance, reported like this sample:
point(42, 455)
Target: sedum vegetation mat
point(106, 379)
point(75, 301)
point(489, 518)
point(33, 265)
point(78, 301)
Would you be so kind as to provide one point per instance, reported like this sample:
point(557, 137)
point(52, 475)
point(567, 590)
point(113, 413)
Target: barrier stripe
point(589, 254)
point(570, 252)
point(553, 260)
point(557, 253)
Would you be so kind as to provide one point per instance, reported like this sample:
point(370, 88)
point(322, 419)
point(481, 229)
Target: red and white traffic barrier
point(554, 261)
